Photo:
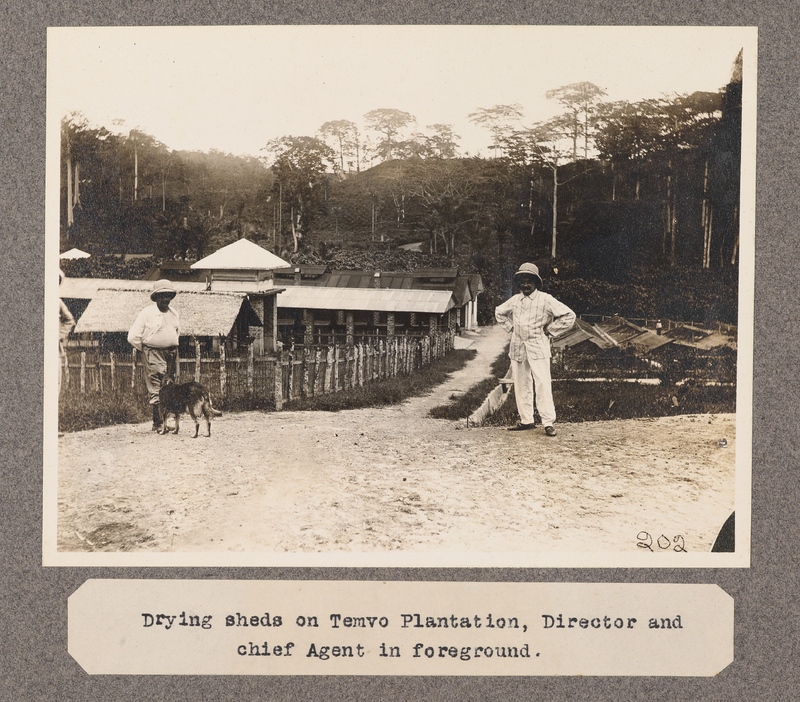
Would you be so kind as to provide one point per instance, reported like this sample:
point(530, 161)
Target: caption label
point(219, 627)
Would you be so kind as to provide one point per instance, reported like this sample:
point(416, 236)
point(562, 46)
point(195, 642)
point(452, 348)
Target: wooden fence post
point(223, 373)
point(329, 370)
point(97, 373)
point(133, 370)
point(250, 364)
point(278, 381)
point(336, 368)
point(83, 372)
point(319, 378)
point(196, 360)
point(351, 374)
point(306, 372)
point(290, 383)
point(113, 370)
point(66, 370)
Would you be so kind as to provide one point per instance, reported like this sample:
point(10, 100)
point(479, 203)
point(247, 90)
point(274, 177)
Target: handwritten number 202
point(662, 543)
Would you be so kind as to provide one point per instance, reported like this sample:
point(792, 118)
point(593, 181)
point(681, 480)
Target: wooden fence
point(271, 380)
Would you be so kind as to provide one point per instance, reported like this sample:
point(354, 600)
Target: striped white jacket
point(532, 321)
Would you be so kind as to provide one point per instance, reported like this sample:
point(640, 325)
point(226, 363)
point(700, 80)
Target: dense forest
point(628, 207)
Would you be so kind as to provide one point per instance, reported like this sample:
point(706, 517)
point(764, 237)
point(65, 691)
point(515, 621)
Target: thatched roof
point(201, 313)
point(240, 255)
point(87, 288)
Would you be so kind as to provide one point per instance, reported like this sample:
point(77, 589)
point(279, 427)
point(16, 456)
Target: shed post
point(351, 328)
point(113, 368)
point(390, 326)
point(308, 323)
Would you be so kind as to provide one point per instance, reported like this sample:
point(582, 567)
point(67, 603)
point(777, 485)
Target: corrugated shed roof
point(583, 331)
point(371, 300)
point(241, 255)
point(305, 269)
point(648, 341)
point(201, 313)
point(86, 288)
point(436, 273)
point(475, 283)
point(253, 287)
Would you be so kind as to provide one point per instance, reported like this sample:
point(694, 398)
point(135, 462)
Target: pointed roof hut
point(241, 255)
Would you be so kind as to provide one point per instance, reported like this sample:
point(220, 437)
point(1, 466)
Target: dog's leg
point(163, 416)
point(207, 415)
point(177, 422)
point(193, 413)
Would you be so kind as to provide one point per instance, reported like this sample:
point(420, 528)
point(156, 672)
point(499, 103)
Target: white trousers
point(528, 374)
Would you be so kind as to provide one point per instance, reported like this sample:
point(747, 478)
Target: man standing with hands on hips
point(155, 334)
point(533, 318)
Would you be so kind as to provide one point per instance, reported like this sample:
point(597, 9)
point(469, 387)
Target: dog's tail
point(211, 407)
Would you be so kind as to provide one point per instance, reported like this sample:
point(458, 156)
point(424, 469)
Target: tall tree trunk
point(667, 212)
point(280, 214)
point(135, 173)
point(70, 212)
point(555, 212)
point(735, 253)
point(295, 233)
point(586, 134)
point(705, 218)
point(163, 191)
point(672, 229)
point(613, 183)
point(76, 186)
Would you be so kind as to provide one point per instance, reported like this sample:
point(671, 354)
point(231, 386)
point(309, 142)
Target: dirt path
point(394, 480)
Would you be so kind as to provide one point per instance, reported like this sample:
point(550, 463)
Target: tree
point(580, 100)
point(442, 197)
point(390, 123)
point(442, 143)
point(299, 165)
point(345, 135)
point(629, 132)
point(543, 145)
point(499, 120)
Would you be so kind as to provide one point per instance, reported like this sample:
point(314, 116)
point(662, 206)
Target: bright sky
point(235, 88)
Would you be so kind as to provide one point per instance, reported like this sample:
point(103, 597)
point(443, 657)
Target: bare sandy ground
point(394, 480)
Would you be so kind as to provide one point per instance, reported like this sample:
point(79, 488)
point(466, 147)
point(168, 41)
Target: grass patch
point(463, 405)
point(591, 402)
point(390, 391)
point(80, 412)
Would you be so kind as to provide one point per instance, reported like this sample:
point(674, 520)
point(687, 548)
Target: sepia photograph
point(399, 296)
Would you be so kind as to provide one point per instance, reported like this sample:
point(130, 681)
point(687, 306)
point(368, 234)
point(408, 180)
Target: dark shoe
point(550, 431)
point(521, 427)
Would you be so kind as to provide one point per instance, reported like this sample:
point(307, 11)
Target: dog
point(176, 398)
